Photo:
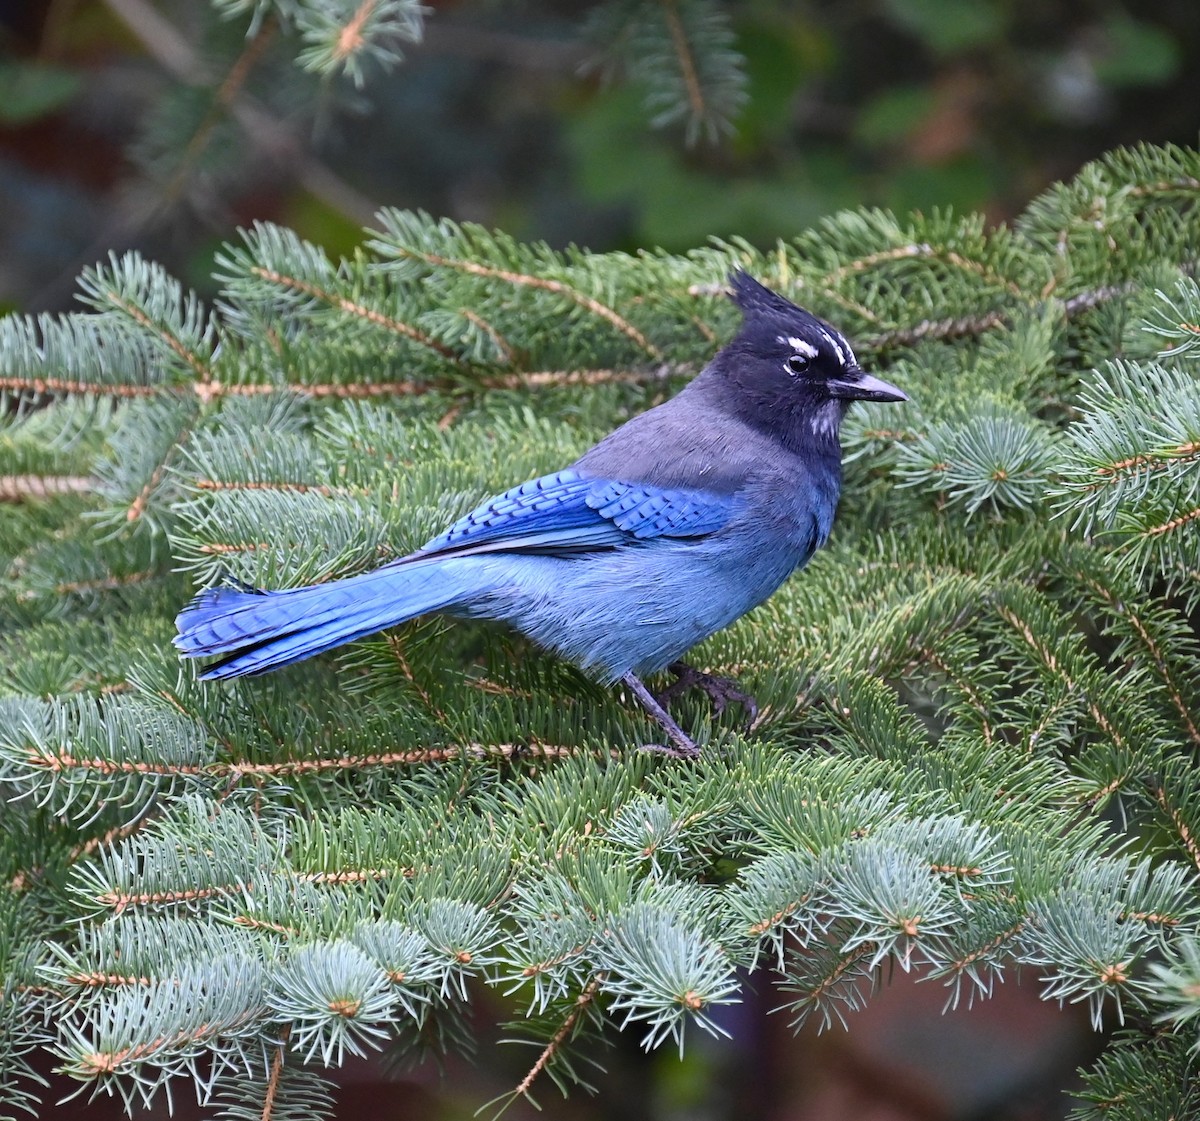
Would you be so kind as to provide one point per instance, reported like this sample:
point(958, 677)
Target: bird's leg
point(681, 746)
point(720, 690)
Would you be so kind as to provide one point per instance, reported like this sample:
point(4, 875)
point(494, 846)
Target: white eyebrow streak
point(800, 346)
point(845, 356)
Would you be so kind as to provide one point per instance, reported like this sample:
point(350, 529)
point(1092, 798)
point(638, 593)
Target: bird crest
point(756, 299)
point(758, 304)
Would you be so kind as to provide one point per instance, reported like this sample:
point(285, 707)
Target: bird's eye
point(797, 364)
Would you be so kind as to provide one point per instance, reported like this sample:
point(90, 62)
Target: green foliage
point(980, 706)
point(29, 90)
point(337, 37)
point(682, 52)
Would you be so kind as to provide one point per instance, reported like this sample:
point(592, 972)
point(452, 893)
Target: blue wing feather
point(569, 511)
point(649, 511)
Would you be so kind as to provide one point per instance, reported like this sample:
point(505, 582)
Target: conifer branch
point(1171, 524)
point(231, 548)
point(353, 875)
point(357, 391)
point(687, 65)
point(308, 870)
point(1097, 797)
point(350, 39)
point(1157, 460)
point(98, 1063)
point(396, 646)
point(1150, 918)
point(106, 980)
point(223, 98)
point(541, 379)
point(275, 1073)
point(121, 901)
point(22, 488)
point(843, 967)
point(110, 836)
point(1182, 831)
point(100, 584)
point(960, 871)
point(1184, 183)
point(1158, 657)
point(71, 386)
point(970, 326)
point(160, 331)
point(1050, 660)
point(171, 50)
point(526, 280)
point(137, 508)
point(252, 923)
point(967, 688)
point(848, 303)
point(561, 1036)
point(506, 348)
point(923, 251)
point(962, 964)
point(1094, 297)
point(360, 311)
point(323, 489)
point(62, 761)
point(961, 327)
point(761, 927)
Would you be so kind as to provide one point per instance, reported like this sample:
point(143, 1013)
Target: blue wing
point(568, 512)
point(647, 511)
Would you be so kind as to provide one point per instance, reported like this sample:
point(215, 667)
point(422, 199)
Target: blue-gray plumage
point(666, 531)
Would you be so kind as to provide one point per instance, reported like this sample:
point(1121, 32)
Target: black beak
point(857, 385)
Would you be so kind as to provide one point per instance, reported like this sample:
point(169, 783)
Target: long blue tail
point(257, 631)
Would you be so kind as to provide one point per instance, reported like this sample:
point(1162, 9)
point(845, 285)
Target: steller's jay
point(666, 531)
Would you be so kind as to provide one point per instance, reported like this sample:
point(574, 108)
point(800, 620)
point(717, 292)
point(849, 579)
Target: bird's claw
point(672, 751)
point(720, 690)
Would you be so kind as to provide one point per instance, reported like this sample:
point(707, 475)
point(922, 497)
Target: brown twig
point(1181, 827)
point(923, 251)
point(23, 488)
point(175, 54)
point(527, 280)
point(138, 506)
point(582, 1001)
point(361, 311)
point(61, 762)
point(1051, 662)
point(967, 960)
point(197, 364)
point(225, 94)
point(687, 64)
point(275, 1074)
point(209, 391)
point(1173, 524)
point(1121, 608)
point(350, 38)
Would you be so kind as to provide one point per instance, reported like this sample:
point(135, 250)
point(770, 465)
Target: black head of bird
point(791, 370)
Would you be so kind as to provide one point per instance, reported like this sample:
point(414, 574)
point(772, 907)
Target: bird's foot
point(671, 751)
point(681, 745)
point(720, 690)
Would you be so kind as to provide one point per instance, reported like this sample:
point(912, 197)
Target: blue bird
point(666, 531)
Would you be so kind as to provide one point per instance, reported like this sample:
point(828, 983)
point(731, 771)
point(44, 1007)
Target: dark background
point(158, 126)
point(124, 124)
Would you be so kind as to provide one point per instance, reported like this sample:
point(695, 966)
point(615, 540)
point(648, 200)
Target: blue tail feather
point(255, 631)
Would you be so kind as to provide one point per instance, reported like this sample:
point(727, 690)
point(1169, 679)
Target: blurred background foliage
point(162, 126)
